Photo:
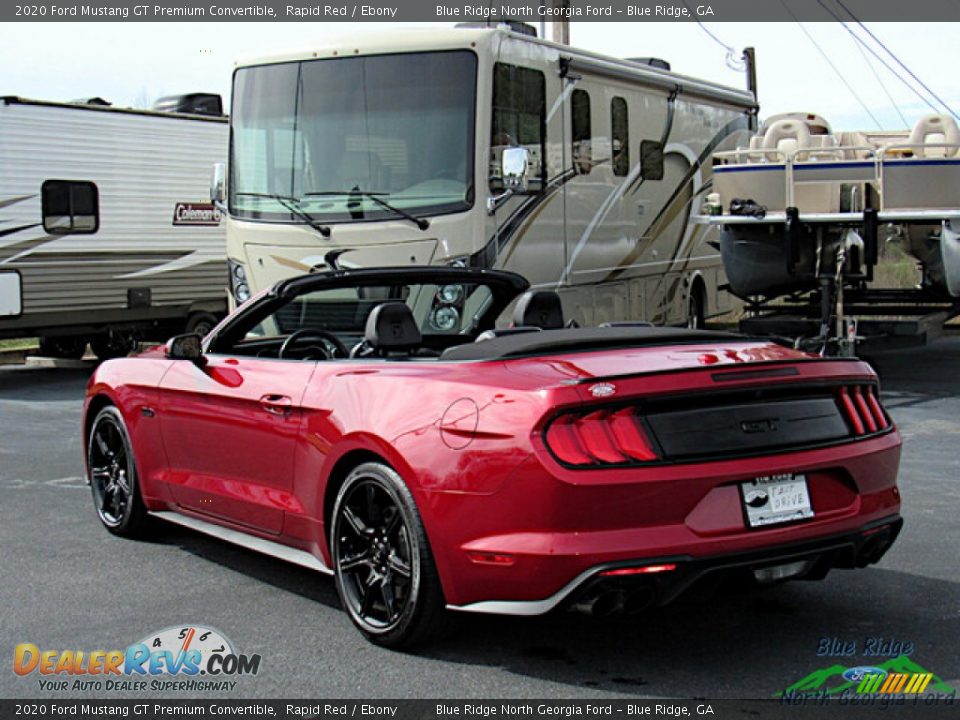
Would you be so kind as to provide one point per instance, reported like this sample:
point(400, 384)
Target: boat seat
point(756, 143)
point(934, 129)
point(787, 136)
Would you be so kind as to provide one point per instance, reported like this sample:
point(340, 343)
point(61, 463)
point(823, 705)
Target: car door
point(229, 427)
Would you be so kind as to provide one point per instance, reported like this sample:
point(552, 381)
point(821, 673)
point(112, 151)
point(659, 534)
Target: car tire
point(112, 473)
point(383, 566)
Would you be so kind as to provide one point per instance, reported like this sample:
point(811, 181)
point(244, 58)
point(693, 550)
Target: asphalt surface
point(65, 583)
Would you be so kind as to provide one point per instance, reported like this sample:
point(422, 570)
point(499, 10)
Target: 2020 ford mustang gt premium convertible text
point(373, 424)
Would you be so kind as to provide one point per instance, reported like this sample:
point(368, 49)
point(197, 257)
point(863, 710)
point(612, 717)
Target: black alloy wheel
point(113, 475)
point(382, 561)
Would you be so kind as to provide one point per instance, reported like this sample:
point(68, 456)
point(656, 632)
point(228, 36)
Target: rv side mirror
point(513, 168)
point(218, 184)
point(184, 347)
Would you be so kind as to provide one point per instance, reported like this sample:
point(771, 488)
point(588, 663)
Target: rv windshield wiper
point(293, 205)
point(421, 223)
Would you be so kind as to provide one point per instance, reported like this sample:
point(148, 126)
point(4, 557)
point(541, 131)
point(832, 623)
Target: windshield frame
point(504, 287)
point(375, 213)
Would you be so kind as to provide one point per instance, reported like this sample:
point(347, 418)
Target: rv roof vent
point(192, 103)
point(92, 101)
point(652, 62)
point(516, 26)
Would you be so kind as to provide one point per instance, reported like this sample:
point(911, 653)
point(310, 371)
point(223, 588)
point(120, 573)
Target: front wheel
point(384, 570)
point(113, 475)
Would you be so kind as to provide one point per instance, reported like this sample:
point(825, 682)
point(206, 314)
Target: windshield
point(336, 135)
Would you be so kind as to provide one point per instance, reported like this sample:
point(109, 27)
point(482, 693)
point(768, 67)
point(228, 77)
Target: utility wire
point(898, 60)
point(880, 82)
point(734, 59)
point(830, 63)
point(873, 52)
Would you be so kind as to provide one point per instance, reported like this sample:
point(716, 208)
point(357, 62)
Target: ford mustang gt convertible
point(380, 426)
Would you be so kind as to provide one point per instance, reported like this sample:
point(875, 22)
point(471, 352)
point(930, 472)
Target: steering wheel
point(339, 349)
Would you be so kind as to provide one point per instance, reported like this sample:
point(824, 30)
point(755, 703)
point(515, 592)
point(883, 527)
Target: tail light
point(598, 438)
point(862, 410)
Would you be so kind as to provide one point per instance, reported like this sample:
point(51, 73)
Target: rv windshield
point(337, 135)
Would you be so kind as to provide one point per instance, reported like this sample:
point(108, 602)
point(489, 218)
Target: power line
point(899, 61)
point(881, 83)
point(883, 62)
point(830, 63)
point(733, 61)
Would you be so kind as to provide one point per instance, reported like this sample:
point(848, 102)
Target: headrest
point(390, 326)
point(539, 308)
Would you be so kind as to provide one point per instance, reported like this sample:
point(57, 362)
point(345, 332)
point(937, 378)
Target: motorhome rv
point(486, 147)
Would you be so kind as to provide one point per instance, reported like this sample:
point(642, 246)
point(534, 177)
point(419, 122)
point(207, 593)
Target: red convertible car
point(376, 425)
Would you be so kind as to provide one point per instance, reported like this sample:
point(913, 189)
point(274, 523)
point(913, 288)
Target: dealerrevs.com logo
point(186, 657)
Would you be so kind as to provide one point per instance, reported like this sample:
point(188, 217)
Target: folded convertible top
point(547, 342)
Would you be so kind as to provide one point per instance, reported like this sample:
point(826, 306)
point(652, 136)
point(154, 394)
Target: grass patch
point(18, 344)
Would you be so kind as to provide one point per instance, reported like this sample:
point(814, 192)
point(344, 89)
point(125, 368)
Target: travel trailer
point(483, 147)
point(107, 235)
point(806, 215)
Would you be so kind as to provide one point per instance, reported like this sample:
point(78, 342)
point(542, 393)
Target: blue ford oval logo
point(855, 674)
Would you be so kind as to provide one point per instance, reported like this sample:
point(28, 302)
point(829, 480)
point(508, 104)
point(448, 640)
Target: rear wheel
point(69, 347)
point(696, 308)
point(383, 566)
point(113, 475)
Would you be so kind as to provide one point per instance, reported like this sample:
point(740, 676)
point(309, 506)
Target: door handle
point(277, 404)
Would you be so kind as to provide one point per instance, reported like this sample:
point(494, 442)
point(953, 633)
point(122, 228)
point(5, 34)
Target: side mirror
point(218, 184)
point(184, 347)
point(513, 168)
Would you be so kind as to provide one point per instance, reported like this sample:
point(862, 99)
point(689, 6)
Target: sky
point(131, 64)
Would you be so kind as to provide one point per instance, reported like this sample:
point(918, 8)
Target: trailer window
point(619, 137)
point(519, 118)
point(581, 134)
point(70, 206)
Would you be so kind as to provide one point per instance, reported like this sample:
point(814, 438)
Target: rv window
point(519, 118)
point(619, 137)
point(70, 206)
point(581, 135)
point(651, 160)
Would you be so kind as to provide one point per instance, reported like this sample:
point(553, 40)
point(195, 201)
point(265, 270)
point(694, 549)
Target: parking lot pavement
point(67, 584)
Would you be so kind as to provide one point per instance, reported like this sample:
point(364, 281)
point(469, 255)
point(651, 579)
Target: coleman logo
point(196, 214)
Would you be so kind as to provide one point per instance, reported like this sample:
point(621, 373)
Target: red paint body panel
point(467, 439)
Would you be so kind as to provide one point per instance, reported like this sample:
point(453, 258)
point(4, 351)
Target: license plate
point(776, 499)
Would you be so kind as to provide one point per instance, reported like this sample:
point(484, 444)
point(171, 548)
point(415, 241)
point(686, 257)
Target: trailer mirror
point(184, 347)
point(513, 168)
point(218, 184)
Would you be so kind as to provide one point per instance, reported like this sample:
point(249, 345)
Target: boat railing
point(833, 167)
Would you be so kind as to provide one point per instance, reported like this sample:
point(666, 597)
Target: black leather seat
point(390, 329)
point(539, 308)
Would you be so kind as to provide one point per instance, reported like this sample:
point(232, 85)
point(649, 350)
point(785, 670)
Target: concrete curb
point(16, 357)
point(36, 361)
